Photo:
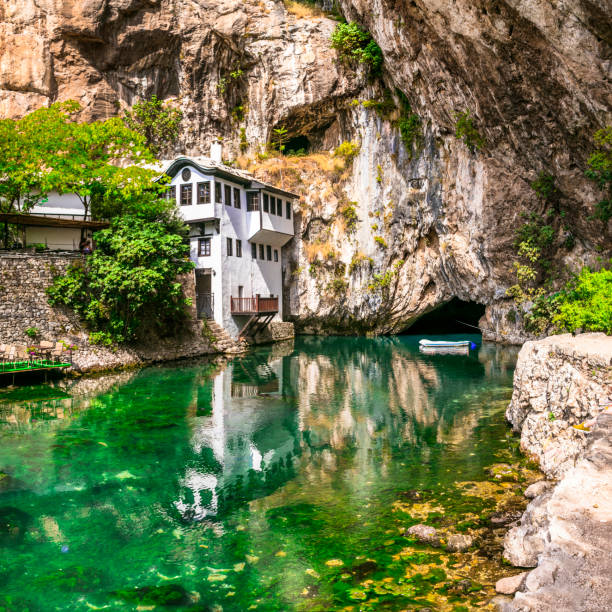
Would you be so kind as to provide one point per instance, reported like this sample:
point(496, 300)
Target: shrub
point(380, 241)
point(586, 303)
point(32, 332)
point(348, 151)
point(131, 275)
point(355, 44)
point(244, 143)
point(545, 187)
point(466, 131)
point(600, 171)
point(349, 214)
point(410, 125)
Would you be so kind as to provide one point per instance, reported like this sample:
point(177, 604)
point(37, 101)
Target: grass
point(303, 10)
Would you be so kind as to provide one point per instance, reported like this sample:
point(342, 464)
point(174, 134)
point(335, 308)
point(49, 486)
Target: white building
point(238, 226)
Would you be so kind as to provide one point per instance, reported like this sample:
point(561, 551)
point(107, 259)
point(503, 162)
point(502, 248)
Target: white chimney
point(216, 150)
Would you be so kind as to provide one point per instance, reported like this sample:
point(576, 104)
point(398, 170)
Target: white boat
point(424, 343)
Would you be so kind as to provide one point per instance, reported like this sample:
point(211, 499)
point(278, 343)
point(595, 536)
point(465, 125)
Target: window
point(186, 193)
point(276, 255)
point(228, 195)
point(288, 204)
point(217, 192)
point(253, 250)
point(266, 202)
point(203, 247)
point(261, 251)
point(236, 197)
point(272, 205)
point(252, 201)
point(229, 247)
point(170, 194)
point(203, 193)
point(269, 252)
point(238, 248)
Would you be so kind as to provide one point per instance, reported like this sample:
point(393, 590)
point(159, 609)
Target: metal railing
point(253, 305)
point(205, 303)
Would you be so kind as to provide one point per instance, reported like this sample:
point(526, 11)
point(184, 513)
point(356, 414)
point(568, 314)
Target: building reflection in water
point(248, 433)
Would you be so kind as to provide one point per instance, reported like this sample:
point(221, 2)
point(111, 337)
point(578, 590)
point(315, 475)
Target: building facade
point(237, 228)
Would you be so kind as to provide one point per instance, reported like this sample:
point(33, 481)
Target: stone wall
point(23, 301)
point(23, 304)
point(560, 382)
point(276, 331)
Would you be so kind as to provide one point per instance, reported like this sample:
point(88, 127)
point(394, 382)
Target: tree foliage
point(600, 171)
point(157, 122)
point(585, 303)
point(49, 150)
point(131, 276)
point(355, 44)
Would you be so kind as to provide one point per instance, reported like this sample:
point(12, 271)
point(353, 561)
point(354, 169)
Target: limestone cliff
point(432, 221)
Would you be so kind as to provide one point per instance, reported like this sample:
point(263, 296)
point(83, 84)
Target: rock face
point(560, 382)
point(566, 531)
point(568, 534)
point(434, 221)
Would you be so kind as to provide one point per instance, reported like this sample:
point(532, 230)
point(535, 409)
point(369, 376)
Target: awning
point(43, 221)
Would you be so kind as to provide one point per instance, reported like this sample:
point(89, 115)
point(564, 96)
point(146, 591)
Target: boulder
point(424, 533)
point(511, 584)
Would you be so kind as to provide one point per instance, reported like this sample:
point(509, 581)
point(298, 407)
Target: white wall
point(56, 238)
point(67, 205)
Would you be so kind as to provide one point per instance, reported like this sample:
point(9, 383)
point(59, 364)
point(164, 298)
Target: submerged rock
point(510, 584)
point(459, 542)
point(503, 472)
point(424, 533)
point(13, 525)
point(163, 595)
point(506, 517)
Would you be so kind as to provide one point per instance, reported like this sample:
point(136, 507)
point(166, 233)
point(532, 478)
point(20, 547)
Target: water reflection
point(174, 470)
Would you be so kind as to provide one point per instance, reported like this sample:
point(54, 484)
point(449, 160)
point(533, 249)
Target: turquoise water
point(282, 480)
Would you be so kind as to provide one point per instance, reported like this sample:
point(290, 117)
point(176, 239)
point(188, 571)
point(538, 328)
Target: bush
point(32, 332)
point(130, 276)
point(348, 151)
point(586, 303)
point(466, 131)
point(600, 171)
point(349, 214)
point(355, 44)
point(545, 187)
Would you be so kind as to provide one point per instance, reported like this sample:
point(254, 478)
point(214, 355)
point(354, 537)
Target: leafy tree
point(129, 278)
point(600, 171)
point(280, 138)
point(48, 150)
point(355, 44)
point(157, 122)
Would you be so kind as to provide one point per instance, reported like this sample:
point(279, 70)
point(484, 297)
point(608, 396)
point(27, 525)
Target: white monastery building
point(237, 228)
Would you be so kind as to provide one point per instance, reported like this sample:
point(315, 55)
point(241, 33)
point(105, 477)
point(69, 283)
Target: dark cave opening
point(298, 145)
point(453, 317)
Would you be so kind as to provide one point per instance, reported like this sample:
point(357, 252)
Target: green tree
point(600, 171)
point(157, 122)
point(130, 278)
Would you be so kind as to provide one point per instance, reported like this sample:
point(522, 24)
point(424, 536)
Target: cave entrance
point(454, 317)
point(298, 145)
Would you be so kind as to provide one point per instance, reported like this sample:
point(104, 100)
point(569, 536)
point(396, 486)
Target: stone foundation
point(276, 331)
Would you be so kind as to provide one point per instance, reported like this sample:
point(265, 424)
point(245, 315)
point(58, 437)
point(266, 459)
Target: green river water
point(281, 480)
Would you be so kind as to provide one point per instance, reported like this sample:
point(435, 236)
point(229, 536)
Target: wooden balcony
point(254, 305)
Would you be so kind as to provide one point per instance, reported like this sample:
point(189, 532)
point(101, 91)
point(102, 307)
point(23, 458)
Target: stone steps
point(224, 342)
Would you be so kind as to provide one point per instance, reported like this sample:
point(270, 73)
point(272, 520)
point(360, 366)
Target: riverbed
point(284, 479)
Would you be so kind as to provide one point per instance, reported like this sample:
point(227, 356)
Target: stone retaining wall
point(23, 304)
point(23, 301)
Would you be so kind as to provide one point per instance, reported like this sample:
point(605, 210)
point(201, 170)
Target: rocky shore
point(560, 405)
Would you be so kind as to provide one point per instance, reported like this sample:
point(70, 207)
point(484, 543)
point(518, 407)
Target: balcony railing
point(254, 305)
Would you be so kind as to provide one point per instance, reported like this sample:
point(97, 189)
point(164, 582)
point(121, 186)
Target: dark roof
point(206, 165)
point(43, 221)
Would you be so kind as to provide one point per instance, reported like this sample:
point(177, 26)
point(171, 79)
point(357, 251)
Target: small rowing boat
point(446, 344)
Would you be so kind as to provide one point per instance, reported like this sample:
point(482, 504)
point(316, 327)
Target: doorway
point(204, 297)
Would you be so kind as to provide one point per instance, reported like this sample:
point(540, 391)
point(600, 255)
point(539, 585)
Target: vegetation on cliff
point(356, 45)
